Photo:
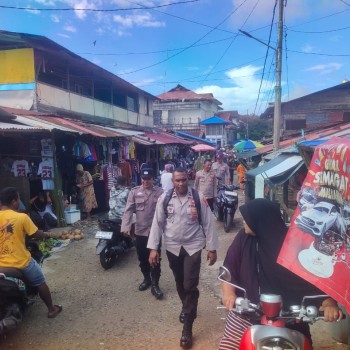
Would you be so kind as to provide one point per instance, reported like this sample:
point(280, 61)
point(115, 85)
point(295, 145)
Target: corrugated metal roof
point(194, 138)
point(143, 140)
point(42, 124)
point(340, 130)
point(213, 120)
point(167, 138)
point(124, 132)
point(14, 127)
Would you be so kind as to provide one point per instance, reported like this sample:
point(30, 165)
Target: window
point(131, 104)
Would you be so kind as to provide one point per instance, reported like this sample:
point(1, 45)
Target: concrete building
point(183, 109)
point(38, 74)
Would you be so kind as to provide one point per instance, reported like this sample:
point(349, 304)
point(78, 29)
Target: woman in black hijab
point(252, 261)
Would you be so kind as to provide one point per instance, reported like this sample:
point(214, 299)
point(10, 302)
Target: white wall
point(58, 98)
point(186, 112)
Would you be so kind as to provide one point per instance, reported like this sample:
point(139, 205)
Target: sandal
point(53, 314)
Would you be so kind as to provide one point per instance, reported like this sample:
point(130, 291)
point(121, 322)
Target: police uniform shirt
point(143, 202)
point(222, 170)
point(206, 183)
point(180, 227)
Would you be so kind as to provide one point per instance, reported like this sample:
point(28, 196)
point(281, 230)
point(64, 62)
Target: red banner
point(317, 246)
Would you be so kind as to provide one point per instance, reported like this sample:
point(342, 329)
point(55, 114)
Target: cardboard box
point(72, 216)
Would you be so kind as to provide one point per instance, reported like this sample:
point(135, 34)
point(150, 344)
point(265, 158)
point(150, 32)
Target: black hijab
point(256, 256)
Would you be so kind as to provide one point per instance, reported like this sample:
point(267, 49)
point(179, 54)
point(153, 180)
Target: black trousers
point(143, 255)
point(211, 203)
point(186, 270)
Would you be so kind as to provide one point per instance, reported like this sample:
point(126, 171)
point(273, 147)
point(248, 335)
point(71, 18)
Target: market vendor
point(41, 211)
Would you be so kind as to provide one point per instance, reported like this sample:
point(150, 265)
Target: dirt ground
point(104, 309)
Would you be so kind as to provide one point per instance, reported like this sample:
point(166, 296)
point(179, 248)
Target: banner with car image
point(317, 246)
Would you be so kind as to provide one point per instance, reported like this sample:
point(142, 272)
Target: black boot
point(183, 315)
point(156, 291)
point(145, 283)
point(186, 338)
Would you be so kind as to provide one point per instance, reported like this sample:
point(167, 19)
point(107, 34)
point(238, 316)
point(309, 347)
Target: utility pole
point(278, 89)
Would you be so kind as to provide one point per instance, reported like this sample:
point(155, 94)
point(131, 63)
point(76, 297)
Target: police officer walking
point(143, 200)
point(206, 183)
point(221, 169)
point(185, 220)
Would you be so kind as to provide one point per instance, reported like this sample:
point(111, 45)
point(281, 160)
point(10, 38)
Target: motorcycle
point(15, 294)
point(272, 332)
point(112, 243)
point(226, 205)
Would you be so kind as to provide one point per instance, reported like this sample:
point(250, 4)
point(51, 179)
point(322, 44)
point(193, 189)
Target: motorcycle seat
point(231, 193)
point(11, 271)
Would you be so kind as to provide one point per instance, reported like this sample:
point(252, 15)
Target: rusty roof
point(181, 94)
point(166, 138)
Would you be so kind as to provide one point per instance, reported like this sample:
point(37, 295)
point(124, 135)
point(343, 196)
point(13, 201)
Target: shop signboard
point(317, 246)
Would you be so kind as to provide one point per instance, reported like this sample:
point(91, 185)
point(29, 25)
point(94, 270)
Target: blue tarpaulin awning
point(180, 133)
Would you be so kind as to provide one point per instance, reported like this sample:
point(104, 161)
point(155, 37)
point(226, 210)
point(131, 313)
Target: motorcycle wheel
point(107, 258)
point(228, 219)
point(218, 213)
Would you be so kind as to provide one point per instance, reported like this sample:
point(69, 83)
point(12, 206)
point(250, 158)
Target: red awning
point(167, 138)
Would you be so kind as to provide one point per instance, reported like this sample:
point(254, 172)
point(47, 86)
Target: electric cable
point(273, 17)
point(230, 44)
point(97, 10)
point(186, 48)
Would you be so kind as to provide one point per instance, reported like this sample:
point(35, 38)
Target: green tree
point(254, 128)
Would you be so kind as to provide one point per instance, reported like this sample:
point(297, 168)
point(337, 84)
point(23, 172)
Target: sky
point(157, 44)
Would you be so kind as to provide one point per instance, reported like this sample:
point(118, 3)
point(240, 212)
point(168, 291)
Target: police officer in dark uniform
point(142, 200)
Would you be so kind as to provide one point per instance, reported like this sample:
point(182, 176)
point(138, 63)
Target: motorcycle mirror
point(224, 273)
point(225, 276)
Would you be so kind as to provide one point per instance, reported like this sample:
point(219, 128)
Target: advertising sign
point(317, 246)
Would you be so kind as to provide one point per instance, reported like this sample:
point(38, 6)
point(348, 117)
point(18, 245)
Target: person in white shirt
point(166, 177)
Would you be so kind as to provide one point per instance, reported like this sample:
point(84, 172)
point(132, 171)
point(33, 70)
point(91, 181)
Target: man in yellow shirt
point(14, 227)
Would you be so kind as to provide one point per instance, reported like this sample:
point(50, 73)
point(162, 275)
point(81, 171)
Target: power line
point(319, 32)
point(152, 52)
point(268, 47)
point(320, 54)
point(186, 19)
point(188, 47)
point(286, 52)
point(97, 10)
point(230, 44)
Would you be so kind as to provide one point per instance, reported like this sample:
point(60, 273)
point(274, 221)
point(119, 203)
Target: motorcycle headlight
point(276, 343)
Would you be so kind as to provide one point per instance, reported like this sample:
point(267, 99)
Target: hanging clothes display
point(20, 168)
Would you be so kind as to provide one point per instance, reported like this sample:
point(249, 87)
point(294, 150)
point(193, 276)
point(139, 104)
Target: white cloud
point(243, 95)
point(325, 68)
point(55, 18)
point(34, 12)
point(63, 35)
point(308, 48)
point(297, 91)
point(46, 2)
point(138, 20)
point(145, 82)
point(69, 28)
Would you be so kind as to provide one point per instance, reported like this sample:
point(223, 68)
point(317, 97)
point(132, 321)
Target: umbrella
point(247, 145)
point(203, 148)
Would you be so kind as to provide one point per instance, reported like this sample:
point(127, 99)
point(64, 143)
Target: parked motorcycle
point(272, 332)
point(15, 294)
point(112, 243)
point(226, 205)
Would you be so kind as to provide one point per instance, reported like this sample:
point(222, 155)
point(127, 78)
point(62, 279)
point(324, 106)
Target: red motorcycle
point(272, 332)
